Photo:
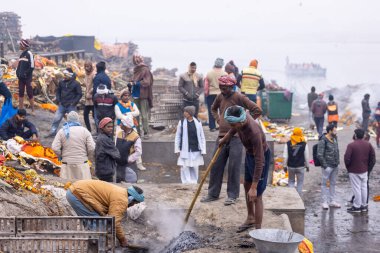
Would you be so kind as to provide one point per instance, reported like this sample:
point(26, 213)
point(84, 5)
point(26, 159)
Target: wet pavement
point(336, 230)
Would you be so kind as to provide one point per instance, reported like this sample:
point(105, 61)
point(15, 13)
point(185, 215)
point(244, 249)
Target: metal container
point(276, 240)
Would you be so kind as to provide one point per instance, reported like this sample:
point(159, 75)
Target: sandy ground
point(215, 223)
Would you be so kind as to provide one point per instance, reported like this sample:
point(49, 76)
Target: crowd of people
point(231, 101)
point(359, 157)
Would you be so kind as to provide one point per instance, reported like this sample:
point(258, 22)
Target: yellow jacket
point(250, 80)
point(104, 198)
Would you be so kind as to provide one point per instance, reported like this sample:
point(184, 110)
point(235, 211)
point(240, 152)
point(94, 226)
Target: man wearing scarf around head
point(128, 143)
point(75, 145)
point(68, 94)
point(124, 109)
point(142, 92)
point(296, 157)
point(257, 160)
point(231, 151)
point(98, 198)
point(191, 86)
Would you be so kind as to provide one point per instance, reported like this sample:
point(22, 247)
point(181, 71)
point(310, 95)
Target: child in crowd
point(190, 143)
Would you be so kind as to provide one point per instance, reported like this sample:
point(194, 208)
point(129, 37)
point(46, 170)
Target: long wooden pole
point(211, 164)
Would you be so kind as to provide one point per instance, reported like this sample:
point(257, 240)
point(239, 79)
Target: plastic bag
point(7, 112)
point(136, 210)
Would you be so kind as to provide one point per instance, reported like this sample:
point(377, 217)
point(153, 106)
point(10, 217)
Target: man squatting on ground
point(257, 160)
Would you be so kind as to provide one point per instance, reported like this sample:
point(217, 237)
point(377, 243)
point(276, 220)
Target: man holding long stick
point(257, 161)
point(233, 150)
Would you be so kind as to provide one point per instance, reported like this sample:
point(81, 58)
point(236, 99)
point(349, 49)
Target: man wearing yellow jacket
point(99, 198)
point(251, 81)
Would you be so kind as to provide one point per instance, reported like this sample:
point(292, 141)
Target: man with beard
point(328, 155)
point(191, 86)
point(233, 150)
point(16, 125)
point(142, 82)
point(67, 95)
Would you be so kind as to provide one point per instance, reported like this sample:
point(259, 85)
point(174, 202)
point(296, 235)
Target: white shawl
point(184, 153)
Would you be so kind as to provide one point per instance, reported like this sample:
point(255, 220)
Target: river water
point(346, 63)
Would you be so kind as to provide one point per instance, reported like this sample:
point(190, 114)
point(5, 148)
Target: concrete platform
point(286, 200)
point(160, 148)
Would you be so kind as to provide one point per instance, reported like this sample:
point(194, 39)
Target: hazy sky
point(111, 20)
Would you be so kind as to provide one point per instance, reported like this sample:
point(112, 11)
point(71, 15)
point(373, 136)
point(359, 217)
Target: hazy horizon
point(292, 20)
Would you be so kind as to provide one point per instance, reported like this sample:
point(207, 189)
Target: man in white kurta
point(190, 143)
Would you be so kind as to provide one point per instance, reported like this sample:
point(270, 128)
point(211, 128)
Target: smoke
point(349, 98)
point(168, 221)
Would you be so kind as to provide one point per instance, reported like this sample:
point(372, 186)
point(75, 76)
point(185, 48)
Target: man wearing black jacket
point(67, 95)
point(24, 74)
point(101, 77)
point(104, 104)
point(366, 113)
point(191, 86)
point(16, 126)
point(106, 152)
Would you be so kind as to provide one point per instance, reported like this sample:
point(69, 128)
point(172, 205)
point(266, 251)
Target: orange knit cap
point(253, 63)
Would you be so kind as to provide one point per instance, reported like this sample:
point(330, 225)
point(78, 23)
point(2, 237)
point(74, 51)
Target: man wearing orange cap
point(106, 152)
point(296, 157)
point(251, 81)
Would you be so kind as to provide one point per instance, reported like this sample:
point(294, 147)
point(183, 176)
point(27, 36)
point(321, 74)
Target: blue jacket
point(136, 90)
point(101, 78)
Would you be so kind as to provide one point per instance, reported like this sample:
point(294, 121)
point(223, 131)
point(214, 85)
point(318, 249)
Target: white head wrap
point(128, 122)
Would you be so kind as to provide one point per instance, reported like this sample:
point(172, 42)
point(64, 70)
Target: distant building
point(10, 30)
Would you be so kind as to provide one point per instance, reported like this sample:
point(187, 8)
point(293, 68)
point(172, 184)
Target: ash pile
point(186, 241)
